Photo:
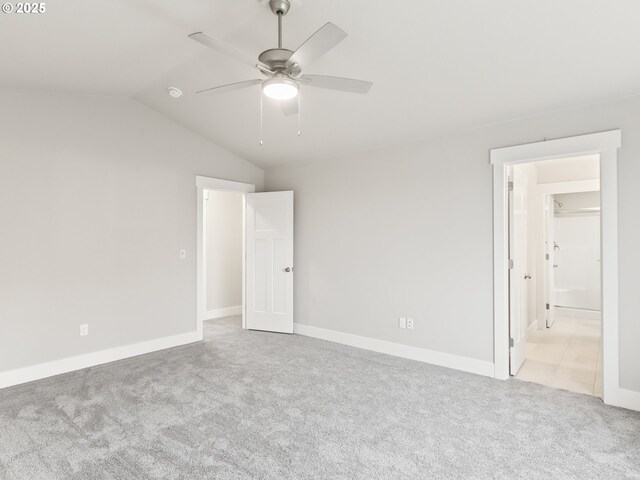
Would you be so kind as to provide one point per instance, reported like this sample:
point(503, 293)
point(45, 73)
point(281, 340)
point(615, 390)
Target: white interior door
point(518, 276)
point(269, 261)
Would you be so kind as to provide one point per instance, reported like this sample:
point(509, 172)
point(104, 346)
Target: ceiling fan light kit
point(280, 88)
point(283, 67)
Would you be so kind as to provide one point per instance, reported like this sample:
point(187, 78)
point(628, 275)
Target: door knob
point(287, 269)
point(527, 276)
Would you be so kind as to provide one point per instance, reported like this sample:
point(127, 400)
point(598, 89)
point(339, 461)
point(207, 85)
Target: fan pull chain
point(261, 117)
point(299, 120)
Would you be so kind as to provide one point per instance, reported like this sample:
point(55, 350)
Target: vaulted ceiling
point(438, 66)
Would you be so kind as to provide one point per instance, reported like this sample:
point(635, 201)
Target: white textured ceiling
point(438, 66)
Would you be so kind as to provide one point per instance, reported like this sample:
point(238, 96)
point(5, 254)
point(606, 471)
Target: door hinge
point(510, 264)
point(547, 306)
point(547, 256)
point(510, 186)
point(512, 343)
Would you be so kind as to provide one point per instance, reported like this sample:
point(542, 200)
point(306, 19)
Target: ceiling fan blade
point(232, 86)
point(336, 83)
point(289, 107)
point(317, 45)
point(228, 50)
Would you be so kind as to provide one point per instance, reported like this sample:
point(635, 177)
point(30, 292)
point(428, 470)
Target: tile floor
point(567, 356)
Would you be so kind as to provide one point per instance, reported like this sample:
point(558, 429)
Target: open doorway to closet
point(555, 282)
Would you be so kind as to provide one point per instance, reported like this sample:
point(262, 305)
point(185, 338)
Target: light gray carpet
point(253, 405)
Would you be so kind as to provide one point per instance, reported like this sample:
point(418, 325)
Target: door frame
point(605, 144)
point(210, 183)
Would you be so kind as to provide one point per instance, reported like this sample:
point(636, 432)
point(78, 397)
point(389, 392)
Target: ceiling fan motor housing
point(277, 60)
point(279, 7)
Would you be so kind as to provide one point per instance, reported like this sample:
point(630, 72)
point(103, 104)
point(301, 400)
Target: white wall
point(97, 197)
point(577, 201)
point(570, 169)
point(577, 278)
point(223, 249)
point(407, 230)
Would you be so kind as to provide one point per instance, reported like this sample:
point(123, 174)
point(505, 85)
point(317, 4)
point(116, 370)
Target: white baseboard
point(399, 350)
point(532, 328)
point(57, 367)
point(222, 312)
point(578, 313)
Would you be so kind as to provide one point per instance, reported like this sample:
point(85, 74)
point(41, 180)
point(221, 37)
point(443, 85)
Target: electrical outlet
point(84, 329)
point(183, 254)
point(410, 323)
point(402, 322)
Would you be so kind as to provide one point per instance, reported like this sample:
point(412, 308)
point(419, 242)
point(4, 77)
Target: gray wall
point(97, 197)
point(407, 230)
point(224, 250)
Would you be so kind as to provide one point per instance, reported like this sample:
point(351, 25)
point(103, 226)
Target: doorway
point(266, 255)
point(209, 298)
point(605, 145)
point(554, 282)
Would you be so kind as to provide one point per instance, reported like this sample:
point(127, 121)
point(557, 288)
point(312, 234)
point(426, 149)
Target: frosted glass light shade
point(280, 88)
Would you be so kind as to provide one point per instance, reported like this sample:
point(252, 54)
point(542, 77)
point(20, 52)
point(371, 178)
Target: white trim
point(210, 183)
point(222, 312)
point(244, 261)
point(57, 367)
point(578, 313)
point(456, 362)
point(605, 144)
point(202, 184)
point(628, 399)
point(532, 328)
point(609, 259)
point(592, 143)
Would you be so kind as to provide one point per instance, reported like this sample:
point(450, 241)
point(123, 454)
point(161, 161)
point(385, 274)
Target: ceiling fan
point(283, 67)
